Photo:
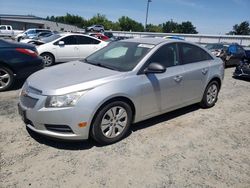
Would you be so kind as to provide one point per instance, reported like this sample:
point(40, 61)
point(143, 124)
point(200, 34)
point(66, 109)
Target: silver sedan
point(126, 82)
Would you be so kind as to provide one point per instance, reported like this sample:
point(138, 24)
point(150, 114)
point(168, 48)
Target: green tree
point(170, 27)
point(154, 28)
point(102, 20)
point(128, 24)
point(241, 29)
point(186, 27)
point(73, 20)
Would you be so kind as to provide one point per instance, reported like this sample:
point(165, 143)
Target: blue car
point(235, 53)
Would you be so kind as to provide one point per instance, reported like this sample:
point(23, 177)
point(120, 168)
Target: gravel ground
point(190, 147)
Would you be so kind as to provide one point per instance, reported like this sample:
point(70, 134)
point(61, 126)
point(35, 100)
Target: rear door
point(86, 46)
point(195, 62)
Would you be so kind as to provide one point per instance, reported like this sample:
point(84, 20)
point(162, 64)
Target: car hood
point(71, 77)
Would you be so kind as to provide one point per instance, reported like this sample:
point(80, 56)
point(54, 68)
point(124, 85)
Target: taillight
point(27, 52)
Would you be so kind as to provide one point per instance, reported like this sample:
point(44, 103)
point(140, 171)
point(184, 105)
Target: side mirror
point(155, 68)
point(61, 43)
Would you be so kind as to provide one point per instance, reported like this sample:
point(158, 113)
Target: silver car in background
point(126, 82)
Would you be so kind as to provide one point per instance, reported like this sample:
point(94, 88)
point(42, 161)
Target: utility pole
point(148, 1)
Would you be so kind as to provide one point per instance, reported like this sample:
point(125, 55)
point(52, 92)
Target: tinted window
point(190, 54)
point(70, 40)
point(31, 31)
point(86, 40)
point(166, 55)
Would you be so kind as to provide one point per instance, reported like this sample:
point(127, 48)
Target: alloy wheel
point(48, 60)
point(114, 122)
point(212, 93)
point(4, 78)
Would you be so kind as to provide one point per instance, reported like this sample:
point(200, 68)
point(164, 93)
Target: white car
point(68, 47)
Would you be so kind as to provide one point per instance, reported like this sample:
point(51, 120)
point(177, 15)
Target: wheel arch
point(3, 64)
point(49, 53)
point(116, 98)
point(217, 79)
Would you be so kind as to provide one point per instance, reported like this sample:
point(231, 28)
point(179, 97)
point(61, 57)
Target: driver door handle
point(204, 71)
point(178, 78)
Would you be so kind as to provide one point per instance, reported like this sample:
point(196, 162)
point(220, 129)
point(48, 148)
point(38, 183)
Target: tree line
point(125, 23)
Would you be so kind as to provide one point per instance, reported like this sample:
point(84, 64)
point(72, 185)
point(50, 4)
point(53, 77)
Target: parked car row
point(231, 54)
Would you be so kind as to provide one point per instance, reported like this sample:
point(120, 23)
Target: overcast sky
point(209, 16)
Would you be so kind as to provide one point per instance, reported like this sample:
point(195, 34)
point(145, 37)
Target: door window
point(191, 53)
point(166, 55)
point(70, 40)
point(86, 40)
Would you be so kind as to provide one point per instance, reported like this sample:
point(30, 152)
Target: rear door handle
point(178, 78)
point(204, 71)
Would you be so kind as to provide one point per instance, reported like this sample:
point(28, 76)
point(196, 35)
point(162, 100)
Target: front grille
point(59, 128)
point(28, 101)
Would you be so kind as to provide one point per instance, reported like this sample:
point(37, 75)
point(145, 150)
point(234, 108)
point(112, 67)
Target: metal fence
point(243, 40)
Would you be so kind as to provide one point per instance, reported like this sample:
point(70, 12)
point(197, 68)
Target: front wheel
point(111, 122)
point(210, 95)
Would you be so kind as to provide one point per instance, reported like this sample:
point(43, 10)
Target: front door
point(161, 92)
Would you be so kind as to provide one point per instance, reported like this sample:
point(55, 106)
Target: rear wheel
point(210, 95)
point(48, 59)
point(111, 122)
point(6, 78)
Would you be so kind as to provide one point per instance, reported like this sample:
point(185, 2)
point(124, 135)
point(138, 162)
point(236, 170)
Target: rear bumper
point(26, 71)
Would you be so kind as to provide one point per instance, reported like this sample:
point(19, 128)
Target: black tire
point(96, 131)
point(48, 59)
point(102, 30)
point(92, 30)
point(208, 100)
point(8, 81)
point(19, 38)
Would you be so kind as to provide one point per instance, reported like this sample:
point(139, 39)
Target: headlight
point(66, 100)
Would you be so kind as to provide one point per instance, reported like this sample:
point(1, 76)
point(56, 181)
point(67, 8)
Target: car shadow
point(90, 143)
point(164, 117)
point(62, 144)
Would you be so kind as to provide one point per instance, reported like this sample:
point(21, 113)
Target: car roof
point(79, 34)
point(153, 41)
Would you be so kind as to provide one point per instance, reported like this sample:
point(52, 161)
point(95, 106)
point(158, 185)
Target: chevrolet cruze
point(125, 82)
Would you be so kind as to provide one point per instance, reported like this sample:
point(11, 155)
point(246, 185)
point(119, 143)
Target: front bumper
point(38, 118)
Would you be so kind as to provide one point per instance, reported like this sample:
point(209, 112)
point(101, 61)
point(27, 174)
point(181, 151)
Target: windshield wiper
point(100, 65)
point(105, 66)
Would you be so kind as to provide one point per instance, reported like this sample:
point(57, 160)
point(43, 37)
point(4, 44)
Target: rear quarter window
point(190, 53)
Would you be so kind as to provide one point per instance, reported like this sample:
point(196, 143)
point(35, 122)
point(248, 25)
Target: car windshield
point(120, 56)
point(51, 38)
